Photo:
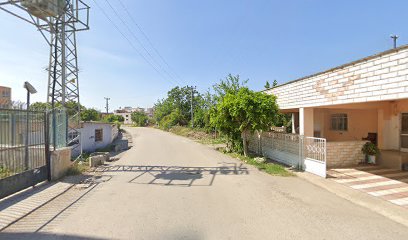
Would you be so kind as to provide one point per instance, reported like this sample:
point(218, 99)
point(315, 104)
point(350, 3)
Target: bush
point(370, 149)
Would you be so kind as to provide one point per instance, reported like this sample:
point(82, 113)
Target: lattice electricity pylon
point(57, 21)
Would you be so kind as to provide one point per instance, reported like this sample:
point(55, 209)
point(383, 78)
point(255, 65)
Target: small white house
point(95, 135)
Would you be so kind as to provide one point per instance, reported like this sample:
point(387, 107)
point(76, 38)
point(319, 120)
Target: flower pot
point(371, 159)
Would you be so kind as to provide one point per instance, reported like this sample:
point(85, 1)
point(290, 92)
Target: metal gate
point(313, 155)
point(24, 150)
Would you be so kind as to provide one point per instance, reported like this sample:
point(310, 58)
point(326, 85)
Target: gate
point(24, 150)
point(313, 155)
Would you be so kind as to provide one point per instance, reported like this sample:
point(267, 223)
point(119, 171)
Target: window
point(98, 135)
point(404, 132)
point(339, 122)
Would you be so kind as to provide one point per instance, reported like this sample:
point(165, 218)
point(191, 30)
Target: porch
point(348, 127)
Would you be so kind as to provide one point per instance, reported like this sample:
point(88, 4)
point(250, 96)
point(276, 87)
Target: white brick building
point(367, 98)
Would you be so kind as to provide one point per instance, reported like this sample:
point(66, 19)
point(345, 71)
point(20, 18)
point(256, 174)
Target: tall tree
point(246, 111)
point(275, 83)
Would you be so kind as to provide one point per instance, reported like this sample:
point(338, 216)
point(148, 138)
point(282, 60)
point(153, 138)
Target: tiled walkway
point(388, 184)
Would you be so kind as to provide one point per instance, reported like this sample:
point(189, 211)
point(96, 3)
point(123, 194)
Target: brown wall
point(360, 123)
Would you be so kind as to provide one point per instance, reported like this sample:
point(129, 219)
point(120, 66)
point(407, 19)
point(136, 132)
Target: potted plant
point(371, 150)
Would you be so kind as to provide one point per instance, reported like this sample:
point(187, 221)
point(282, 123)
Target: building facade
point(5, 97)
point(365, 100)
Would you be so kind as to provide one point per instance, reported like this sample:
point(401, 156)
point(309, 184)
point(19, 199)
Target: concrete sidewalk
point(394, 212)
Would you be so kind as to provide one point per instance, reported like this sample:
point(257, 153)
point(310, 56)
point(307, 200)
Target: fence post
point(47, 143)
point(300, 165)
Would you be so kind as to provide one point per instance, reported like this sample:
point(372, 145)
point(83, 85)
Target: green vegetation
point(140, 119)
point(90, 114)
point(77, 168)
point(370, 149)
point(229, 109)
point(114, 118)
point(80, 165)
point(4, 172)
point(245, 111)
point(268, 167)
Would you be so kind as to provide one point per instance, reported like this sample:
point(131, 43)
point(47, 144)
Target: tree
point(275, 83)
point(231, 84)
point(90, 114)
point(140, 119)
point(267, 85)
point(246, 111)
point(40, 106)
point(114, 118)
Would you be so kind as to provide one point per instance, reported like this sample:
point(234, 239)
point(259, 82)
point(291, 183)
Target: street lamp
point(30, 90)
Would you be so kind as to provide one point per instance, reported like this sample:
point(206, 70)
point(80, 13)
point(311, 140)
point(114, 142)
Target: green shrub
point(370, 149)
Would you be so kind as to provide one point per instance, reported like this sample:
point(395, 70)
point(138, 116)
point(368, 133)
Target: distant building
point(5, 97)
point(126, 113)
point(149, 112)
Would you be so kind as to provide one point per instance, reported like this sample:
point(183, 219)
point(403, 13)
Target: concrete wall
point(343, 154)
point(60, 162)
point(376, 78)
point(110, 132)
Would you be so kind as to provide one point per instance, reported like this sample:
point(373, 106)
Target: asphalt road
point(169, 187)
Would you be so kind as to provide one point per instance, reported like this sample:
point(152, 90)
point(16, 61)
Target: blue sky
point(203, 41)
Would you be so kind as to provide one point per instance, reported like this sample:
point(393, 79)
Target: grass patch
point(268, 167)
point(77, 168)
point(5, 172)
point(80, 165)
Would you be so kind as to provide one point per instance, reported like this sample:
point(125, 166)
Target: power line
point(149, 41)
point(127, 39)
point(138, 40)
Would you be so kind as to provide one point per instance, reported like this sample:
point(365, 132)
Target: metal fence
point(307, 153)
point(23, 142)
point(58, 128)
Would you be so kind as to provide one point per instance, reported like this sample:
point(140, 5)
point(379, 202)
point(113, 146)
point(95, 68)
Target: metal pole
point(192, 111)
point(107, 105)
point(27, 132)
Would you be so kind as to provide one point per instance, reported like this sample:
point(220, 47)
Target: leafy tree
point(246, 111)
point(140, 119)
point(40, 106)
point(90, 115)
point(178, 99)
point(275, 83)
point(267, 85)
point(231, 84)
point(114, 118)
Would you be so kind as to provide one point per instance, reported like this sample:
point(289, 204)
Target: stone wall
point(343, 154)
point(380, 77)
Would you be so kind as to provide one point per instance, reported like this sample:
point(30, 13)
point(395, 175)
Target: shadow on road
point(177, 175)
point(30, 236)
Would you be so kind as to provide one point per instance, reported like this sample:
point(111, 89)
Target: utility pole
point(192, 108)
point(107, 105)
point(394, 38)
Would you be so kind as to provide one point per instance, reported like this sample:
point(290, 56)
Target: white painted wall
point(110, 132)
